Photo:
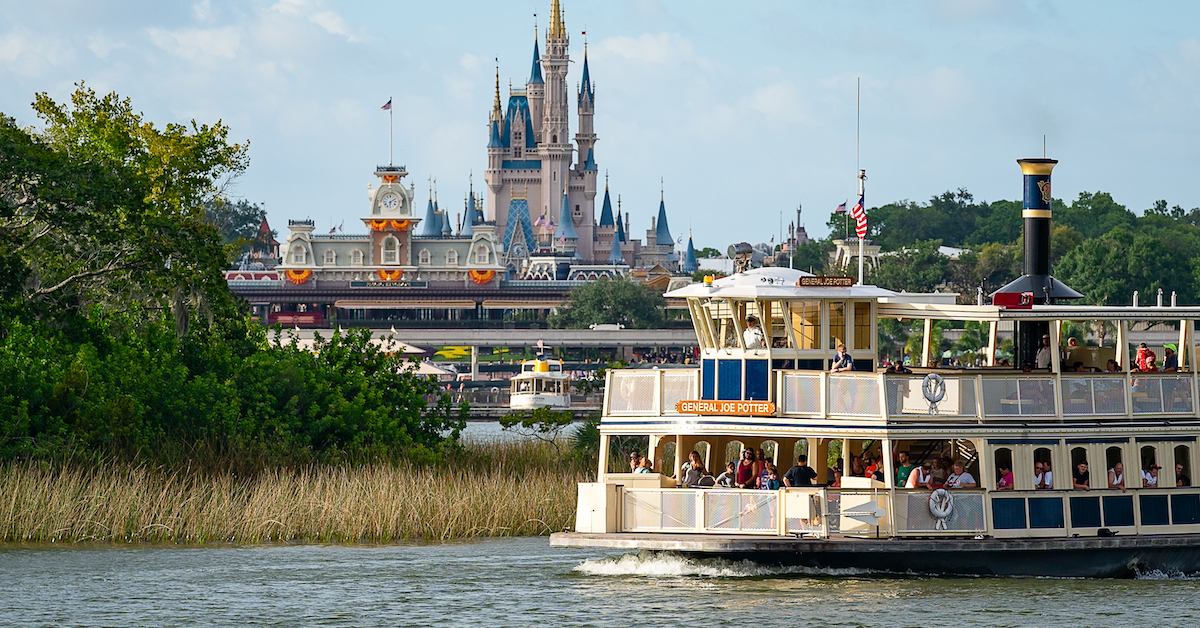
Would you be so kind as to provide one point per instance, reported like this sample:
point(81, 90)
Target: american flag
point(841, 209)
point(860, 216)
point(538, 222)
point(387, 106)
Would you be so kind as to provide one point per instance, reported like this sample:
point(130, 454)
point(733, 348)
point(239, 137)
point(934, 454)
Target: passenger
point(870, 464)
point(1181, 478)
point(728, 478)
point(960, 478)
point(903, 468)
point(837, 478)
point(1043, 477)
point(745, 477)
point(801, 474)
point(1005, 483)
point(764, 476)
point(1042, 359)
point(646, 467)
point(1170, 360)
point(1081, 479)
point(771, 483)
point(920, 477)
point(842, 361)
point(1145, 359)
point(635, 462)
point(692, 471)
point(856, 468)
point(1116, 477)
point(760, 463)
point(753, 336)
point(937, 475)
point(1111, 366)
point(1150, 476)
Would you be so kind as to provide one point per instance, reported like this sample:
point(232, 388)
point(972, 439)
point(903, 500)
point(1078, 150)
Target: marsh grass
point(489, 488)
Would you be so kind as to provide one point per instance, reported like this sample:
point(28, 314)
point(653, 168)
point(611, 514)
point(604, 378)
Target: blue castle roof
point(606, 215)
point(662, 234)
point(689, 261)
point(468, 229)
point(518, 113)
point(590, 164)
point(585, 88)
point(447, 228)
point(566, 226)
point(535, 74)
point(621, 229)
point(431, 227)
point(614, 255)
point(494, 139)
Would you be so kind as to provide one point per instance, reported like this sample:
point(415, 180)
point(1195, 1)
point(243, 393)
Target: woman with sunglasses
point(745, 470)
point(920, 477)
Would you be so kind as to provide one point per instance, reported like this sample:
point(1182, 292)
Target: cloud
point(197, 44)
point(27, 54)
point(777, 101)
point(659, 48)
point(331, 21)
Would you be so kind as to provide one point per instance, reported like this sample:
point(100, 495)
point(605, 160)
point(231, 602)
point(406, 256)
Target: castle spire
point(535, 73)
point(556, 30)
point(689, 261)
point(497, 114)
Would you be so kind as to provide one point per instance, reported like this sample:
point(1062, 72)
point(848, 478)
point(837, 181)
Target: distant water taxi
point(1075, 462)
point(542, 383)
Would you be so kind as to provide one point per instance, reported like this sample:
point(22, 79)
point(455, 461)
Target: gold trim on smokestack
point(1035, 213)
point(1037, 166)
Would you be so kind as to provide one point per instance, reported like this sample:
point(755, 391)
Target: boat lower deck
point(1080, 557)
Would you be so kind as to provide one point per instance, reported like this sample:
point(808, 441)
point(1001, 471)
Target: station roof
point(776, 283)
point(990, 313)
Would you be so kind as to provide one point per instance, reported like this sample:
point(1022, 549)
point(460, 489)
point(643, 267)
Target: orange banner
point(708, 406)
point(298, 276)
point(481, 276)
point(400, 225)
point(378, 225)
point(389, 275)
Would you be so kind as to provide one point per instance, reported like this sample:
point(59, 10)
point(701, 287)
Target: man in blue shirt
point(842, 361)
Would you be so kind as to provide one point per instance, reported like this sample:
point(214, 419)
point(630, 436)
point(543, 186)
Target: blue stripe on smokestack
point(1036, 213)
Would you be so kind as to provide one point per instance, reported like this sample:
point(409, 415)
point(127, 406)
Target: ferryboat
point(542, 383)
point(1134, 433)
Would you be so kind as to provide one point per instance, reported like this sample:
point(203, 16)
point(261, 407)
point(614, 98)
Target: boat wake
point(1158, 574)
point(669, 564)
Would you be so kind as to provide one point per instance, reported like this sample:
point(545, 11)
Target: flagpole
point(390, 143)
point(862, 176)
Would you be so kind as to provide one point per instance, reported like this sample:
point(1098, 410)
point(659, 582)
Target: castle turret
point(536, 90)
point(689, 261)
point(431, 227)
point(495, 146)
point(565, 237)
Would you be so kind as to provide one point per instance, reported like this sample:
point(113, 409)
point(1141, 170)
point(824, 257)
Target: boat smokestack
point(1036, 286)
point(1035, 211)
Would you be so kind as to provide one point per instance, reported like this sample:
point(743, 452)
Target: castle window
point(391, 250)
point(299, 255)
point(452, 258)
point(330, 258)
point(517, 152)
point(481, 255)
point(423, 257)
point(356, 257)
point(553, 139)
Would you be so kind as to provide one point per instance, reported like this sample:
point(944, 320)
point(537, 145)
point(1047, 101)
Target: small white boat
point(542, 383)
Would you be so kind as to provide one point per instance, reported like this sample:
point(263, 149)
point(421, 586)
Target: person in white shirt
point(1042, 359)
point(1150, 476)
point(920, 476)
point(1043, 477)
point(753, 336)
point(1116, 477)
point(960, 478)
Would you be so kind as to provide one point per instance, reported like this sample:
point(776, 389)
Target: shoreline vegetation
point(487, 489)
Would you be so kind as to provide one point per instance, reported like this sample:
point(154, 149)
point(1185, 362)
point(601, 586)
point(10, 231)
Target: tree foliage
point(611, 302)
point(108, 257)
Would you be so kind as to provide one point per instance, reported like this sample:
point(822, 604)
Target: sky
point(743, 110)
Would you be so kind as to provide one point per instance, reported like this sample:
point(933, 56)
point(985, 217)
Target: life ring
point(941, 505)
point(933, 387)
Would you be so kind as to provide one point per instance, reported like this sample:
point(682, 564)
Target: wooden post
point(925, 342)
point(991, 348)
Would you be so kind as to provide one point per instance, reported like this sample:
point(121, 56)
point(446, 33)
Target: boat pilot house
point(790, 442)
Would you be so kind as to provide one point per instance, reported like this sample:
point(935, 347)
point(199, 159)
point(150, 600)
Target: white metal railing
point(660, 510)
point(815, 394)
point(741, 511)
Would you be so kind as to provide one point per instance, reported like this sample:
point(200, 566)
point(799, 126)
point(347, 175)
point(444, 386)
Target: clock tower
point(391, 222)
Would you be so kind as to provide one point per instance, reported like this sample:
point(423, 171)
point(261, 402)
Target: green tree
point(919, 268)
point(707, 252)
point(1094, 214)
point(611, 302)
point(236, 222)
point(813, 256)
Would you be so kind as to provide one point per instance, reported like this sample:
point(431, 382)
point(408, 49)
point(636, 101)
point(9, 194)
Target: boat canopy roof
point(776, 283)
point(993, 313)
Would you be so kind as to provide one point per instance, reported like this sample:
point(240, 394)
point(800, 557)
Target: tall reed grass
point(512, 488)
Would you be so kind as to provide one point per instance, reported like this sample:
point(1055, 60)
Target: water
point(522, 582)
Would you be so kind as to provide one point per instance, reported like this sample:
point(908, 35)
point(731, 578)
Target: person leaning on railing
point(1116, 477)
point(1081, 479)
point(961, 478)
point(1043, 477)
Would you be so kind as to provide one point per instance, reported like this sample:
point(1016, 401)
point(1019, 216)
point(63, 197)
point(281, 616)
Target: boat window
point(705, 449)
point(771, 450)
point(837, 323)
point(1042, 456)
point(703, 321)
point(1149, 457)
point(1183, 457)
point(1112, 457)
point(733, 452)
point(521, 385)
point(528, 368)
point(1004, 460)
point(862, 326)
point(555, 368)
point(806, 323)
point(668, 459)
point(1079, 455)
point(775, 323)
point(727, 327)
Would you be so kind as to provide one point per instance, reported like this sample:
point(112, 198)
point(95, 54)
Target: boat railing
point(964, 514)
point(978, 396)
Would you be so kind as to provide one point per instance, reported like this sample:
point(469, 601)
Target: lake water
point(523, 582)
